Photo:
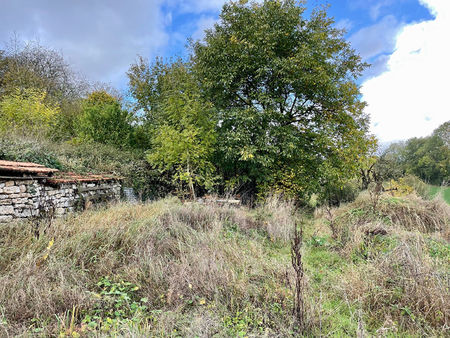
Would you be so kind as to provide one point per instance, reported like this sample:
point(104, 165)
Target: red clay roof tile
point(25, 167)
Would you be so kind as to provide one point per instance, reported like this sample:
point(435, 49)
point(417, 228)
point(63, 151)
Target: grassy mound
point(150, 269)
point(390, 264)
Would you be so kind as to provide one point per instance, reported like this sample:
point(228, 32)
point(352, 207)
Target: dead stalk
point(296, 257)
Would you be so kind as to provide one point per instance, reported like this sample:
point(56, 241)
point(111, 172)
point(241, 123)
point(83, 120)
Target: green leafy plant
point(117, 302)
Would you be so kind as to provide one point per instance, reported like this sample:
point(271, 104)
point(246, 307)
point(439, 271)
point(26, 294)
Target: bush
point(26, 111)
point(420, 187)
point(28, 150)
point(335, 195)
point(103, 120)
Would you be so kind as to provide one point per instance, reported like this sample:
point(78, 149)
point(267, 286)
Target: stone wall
point(24, 198)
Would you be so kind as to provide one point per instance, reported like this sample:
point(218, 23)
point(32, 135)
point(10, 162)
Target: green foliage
point(184, 132)
point(25, 111)
point(117, 302)
point(14, 150)
point(145, 86)
point(289, 107)
point(31, 66)
point(389, 164)
point(443, 132)
point(104, 121)
point(418, 185)
point(427, 158)
point(243, 322)
point(342, 193)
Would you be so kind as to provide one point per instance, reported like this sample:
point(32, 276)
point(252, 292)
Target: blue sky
point(101, 38)
point(371, 25)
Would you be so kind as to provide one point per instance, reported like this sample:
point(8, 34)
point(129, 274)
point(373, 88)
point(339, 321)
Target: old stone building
point(32, 190)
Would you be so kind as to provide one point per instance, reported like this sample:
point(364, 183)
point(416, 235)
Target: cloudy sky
point(406, 41)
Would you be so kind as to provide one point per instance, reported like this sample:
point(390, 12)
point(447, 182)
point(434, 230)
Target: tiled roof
point(25, 168)
point(40, 171)
point(75, 178)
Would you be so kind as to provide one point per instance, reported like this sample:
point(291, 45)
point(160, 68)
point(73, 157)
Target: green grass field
point(444, 191)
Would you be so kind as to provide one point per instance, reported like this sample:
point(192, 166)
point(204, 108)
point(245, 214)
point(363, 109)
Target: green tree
point(428, 158)
point(289, 107)
point(145, 86)
point(184, 128)
point(391, 163)
point(443, 132)
point(33, 66)
point(104, 121)
point(26, 111)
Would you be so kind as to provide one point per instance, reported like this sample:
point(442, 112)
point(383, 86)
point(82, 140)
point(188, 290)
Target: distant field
point(445, 191)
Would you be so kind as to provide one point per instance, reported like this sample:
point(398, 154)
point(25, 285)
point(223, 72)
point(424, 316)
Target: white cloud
point(375, 42)
point(410, 98)
point(205, 22)
point(99, 38)
point(375, 39)
point(344, 24)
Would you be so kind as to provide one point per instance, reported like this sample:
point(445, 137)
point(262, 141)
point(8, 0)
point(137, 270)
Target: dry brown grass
point(402, 286)
point(395, 279)
point(178, 254)
point(278, 217)
point(356, 220)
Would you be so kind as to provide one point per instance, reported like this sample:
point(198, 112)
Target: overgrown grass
point(388, 266)
point(188, 269)
point(172, 269)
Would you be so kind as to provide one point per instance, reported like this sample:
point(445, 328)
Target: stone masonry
point(25, 197)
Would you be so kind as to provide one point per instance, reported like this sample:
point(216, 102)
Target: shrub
point(420, 187)
point(103, 120)
point(26, 111)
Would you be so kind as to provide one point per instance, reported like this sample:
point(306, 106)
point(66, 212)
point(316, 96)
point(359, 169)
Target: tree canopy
point(427, 158)
point(284, 86)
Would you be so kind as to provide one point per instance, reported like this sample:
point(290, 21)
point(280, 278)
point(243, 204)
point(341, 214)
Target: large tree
point(32, 65)
point(285, 87)
point(179, 122)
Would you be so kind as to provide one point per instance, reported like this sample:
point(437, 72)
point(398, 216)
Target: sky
point(405, 41)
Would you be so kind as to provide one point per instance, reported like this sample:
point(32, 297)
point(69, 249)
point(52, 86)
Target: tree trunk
point(191, 184)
